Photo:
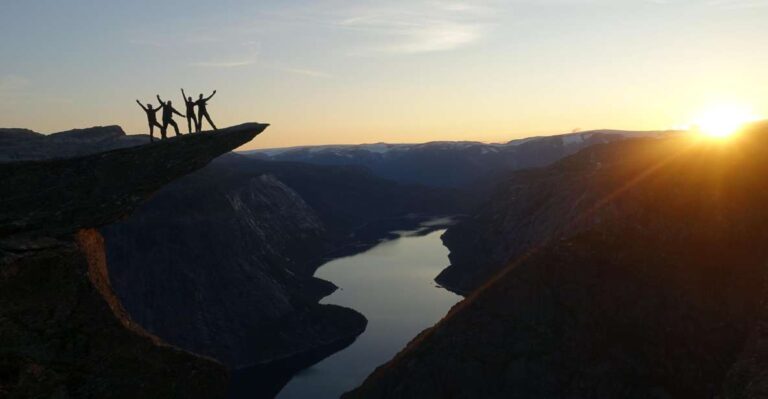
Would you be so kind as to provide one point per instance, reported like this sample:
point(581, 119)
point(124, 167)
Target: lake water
point(392, 285)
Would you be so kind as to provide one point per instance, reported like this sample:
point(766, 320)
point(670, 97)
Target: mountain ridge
point(463, 164)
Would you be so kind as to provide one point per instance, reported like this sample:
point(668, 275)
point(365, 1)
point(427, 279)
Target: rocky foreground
point(633, 269)
point(63, 332)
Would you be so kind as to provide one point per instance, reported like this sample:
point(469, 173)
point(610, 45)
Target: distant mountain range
point(458, 164)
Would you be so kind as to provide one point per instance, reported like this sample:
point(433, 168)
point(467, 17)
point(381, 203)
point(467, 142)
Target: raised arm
point(161, 101)
point(183, 95)
point(141, 105)
point(212, 94)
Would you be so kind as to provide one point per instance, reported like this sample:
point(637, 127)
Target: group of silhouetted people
point(168, 111)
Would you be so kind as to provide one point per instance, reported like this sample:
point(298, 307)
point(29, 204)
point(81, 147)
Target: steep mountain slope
point(649, 282)
point(353, 199)
point(450, 164)
point(527, 208)
point(63, 332)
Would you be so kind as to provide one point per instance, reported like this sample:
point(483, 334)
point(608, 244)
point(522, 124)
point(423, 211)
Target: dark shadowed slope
point(649, 282)
point(63, 333)
point(517, 215)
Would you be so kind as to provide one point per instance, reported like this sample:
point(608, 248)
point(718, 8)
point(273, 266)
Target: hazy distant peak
point(587, 134)
point(24, 144)
point(15, 135)
point(96, 133)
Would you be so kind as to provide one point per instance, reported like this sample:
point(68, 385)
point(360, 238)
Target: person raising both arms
point(202, 111)
point(168, 112)
point(151, 119)
point(191, 118)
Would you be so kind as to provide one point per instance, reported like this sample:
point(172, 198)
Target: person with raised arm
point(191, 118)
point(168, 112)
point(202, 111)
point(151, 119)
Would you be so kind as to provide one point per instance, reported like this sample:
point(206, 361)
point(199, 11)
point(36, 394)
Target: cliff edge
point(63, 332)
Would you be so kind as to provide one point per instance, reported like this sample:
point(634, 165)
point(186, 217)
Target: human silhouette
point(203, 112)
point(151, 119)
point(168, 112)
point(191, 118)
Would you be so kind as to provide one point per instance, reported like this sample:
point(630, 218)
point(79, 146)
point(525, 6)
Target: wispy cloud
point(437, 36)
point(305, 72)
point(420, 27)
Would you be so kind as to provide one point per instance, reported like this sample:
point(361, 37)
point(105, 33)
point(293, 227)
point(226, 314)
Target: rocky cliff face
point(651, 285)
point(218, 264)
point(63, 332)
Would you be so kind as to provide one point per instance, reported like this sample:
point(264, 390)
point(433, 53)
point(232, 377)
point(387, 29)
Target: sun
point(722, 121)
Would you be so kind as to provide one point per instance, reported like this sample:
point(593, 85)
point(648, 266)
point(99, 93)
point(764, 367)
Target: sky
point(332, 72)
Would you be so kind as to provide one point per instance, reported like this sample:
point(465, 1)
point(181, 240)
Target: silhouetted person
point(151, 119)
point(168, 112)
point(191, 118)
point(203, 112)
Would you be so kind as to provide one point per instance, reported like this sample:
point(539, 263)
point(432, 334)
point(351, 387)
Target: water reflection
point(392, 285)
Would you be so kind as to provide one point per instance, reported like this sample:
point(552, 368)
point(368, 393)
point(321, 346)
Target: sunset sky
point(326, 72)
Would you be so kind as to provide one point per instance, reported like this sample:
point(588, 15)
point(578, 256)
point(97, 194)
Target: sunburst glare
point(722, 121)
